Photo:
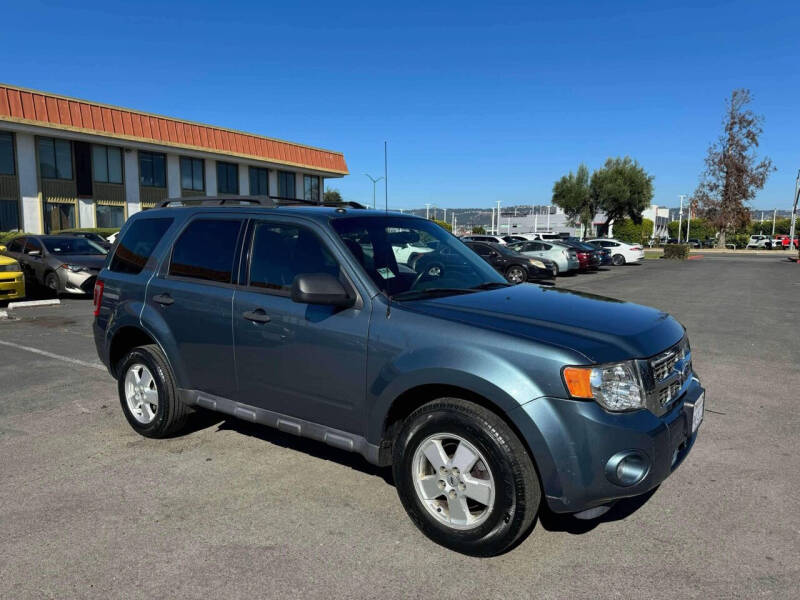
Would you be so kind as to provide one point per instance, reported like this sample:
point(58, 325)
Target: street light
point(374, 182)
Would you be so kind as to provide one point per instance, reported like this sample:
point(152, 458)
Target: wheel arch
point(125, 339)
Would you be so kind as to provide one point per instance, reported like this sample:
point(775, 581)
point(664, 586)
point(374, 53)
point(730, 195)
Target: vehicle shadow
point(204, 419)
point(621, 510)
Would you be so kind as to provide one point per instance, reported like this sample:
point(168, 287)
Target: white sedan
point(621, 252)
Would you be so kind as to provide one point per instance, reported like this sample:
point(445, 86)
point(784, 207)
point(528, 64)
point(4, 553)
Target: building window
point(311, 187)
point(9, 215)
point(286, 184)
point(107, 164)
point(55, 158)
point(152, 169)
point(192, 174)
point(259, 181)
point(110, 215)
point(227, 178)
point(58, 216)
point(6, 153)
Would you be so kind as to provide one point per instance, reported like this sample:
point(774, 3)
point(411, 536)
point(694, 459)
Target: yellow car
point(12, 280)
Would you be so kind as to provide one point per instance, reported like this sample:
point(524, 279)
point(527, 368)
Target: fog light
point(627, 468)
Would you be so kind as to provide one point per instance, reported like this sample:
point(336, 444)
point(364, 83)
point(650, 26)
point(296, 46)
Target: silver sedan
point(564, 258)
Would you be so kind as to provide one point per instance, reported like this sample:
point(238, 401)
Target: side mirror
point(35, 253)
point(320, 288)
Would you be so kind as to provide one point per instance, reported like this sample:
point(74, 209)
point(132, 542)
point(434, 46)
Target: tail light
point(636, 247)
point(97, 299)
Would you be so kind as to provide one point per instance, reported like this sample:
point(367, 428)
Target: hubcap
point(515, 275)
point(453, 481)
point(141, 393)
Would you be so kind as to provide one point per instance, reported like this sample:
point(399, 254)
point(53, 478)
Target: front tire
point(516, 274)
point(148, 394)
point(52, 284)
point(464, 477)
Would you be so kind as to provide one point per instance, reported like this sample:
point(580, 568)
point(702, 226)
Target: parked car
point(487, 400)
point(759, 241)
point(88, 235)
point(588, 256)
point(694, 243)
point(492, 239)
point(62, 264)
point(621, 252)
point(565, 258)
point(515, 267)
point(672, 241)
point(12, 279)
point(785, 242)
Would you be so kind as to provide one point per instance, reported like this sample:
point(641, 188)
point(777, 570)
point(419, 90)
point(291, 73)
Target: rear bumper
point(12, 286)
point(575, 442)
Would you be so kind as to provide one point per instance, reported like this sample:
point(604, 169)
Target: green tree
point(571, 193)
point(331, 196)
point(443, 224)
point(733, 174)
point(478, 230)
point(699, 228)
point(621, 189)
point(633, 233)
point(782, 226)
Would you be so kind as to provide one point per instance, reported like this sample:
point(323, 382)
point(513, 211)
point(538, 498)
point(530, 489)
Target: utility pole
point(386, 175)
point(794, 210)
point(491, 229)
point(774, 214)
point(680, 218)
point(498, 219)
point(548, 218)
point(374, 181)
point(445, 215)
point(428, 211)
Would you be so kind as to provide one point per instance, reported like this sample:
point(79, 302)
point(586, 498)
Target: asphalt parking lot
point(90, 509)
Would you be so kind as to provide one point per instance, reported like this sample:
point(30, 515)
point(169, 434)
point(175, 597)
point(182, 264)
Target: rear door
point(193, 293)
point(302, 360)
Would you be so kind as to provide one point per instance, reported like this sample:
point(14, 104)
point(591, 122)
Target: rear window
point(206, 249)
point(138, 244)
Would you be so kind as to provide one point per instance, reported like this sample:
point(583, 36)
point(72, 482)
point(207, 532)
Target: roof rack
point(271, 201)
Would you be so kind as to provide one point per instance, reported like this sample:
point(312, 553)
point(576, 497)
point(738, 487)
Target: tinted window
point(72, 245)
point(227, 178)
point(481, 249)
point(205, 250)
point(107, 164)
point(152, 169)
point(16, 245)
point(138, 244)
point(259, 182)
point(192, 174)
point(55, 158)
point(280, 253)
point(32, 244)
point(286, 184)
point(311, 187)
point(6, 154)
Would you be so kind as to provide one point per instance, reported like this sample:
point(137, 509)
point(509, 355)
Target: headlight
point(616, 387)
point(12, 268)
point(538, 263)
point(75, 268)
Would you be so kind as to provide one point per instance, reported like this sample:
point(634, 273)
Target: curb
point(32, 303)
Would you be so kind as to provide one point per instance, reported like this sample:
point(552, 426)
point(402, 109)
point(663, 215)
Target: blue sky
point(479, 101)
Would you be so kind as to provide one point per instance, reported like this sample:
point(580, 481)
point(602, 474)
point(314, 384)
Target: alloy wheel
point(141, 393)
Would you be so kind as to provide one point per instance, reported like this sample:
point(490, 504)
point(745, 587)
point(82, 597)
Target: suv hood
point(602, 329)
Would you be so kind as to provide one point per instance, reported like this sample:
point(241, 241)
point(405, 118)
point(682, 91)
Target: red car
point(785, 241)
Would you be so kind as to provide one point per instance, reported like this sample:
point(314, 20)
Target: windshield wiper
point(439, 291)
point(491, 285)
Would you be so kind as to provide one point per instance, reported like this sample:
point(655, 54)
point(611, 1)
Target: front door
point(193, 294)
point(302, 360)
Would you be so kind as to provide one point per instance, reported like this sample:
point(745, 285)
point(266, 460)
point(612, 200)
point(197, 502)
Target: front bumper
point(573, 442)
point(77, 283)
point(12, 285)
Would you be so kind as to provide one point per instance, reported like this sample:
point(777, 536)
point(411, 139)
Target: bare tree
point(733, 173)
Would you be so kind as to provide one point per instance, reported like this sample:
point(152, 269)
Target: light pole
point(794, 210)
point(374, 182)
point(498, 219)
point(680, 217)
point(427, 211)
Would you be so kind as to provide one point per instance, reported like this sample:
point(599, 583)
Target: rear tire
point(618, 260)
point(148, 394)
point(484, 495)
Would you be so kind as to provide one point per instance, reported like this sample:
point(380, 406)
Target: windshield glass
point(406, 254)
point(72, 245)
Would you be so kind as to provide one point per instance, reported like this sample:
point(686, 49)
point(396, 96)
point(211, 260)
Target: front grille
point(669, 373)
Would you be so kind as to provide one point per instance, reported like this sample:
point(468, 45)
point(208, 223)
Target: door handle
point(257, 316)
point(163, 299)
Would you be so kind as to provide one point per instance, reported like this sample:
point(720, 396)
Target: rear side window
point(206, 250)
point(16, 245)
point(138, 244)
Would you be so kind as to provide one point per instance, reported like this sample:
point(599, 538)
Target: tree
point(733, 174)
point(443, 224)
point(621, 189)
point(331, 196)
point(571, 193)
point(633, 233)
point(699, 228)
point(478, 230)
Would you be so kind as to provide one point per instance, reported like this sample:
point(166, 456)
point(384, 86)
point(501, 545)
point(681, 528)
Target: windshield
point(72, 245)
point(404, 255)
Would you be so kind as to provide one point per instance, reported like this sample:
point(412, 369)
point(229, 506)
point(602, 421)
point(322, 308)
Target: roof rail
point(271, 201)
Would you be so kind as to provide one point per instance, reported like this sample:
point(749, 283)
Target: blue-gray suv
point(487, 399)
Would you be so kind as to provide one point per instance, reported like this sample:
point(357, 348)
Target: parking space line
point(67, 359)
